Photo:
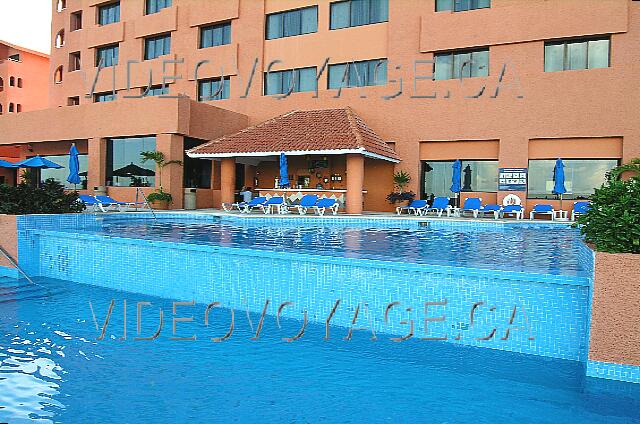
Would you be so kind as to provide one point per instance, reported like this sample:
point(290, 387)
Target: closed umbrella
point(558, 180)
point(284, 171)
point(38, 163)
point(74, 166)
point(456, 179)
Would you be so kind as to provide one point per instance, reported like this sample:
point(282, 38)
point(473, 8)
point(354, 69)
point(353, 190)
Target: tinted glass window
point(358, 74)
point(577, 54)
point(124, 165)
point(213, 89)
point(215, 35)
point(157, 46)
point(109, 14)
point(292, 22)
point(582, 176)
point(358, 12)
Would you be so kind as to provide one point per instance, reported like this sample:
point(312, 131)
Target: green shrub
point(27, 199)
point(613, 222)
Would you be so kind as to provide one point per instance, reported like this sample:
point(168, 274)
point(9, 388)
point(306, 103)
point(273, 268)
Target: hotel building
point(350, 90)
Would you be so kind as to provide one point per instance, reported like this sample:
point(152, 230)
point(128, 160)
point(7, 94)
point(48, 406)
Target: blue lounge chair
point(512, 210)
point(275, 203)
point(89, 202)
point(580, 208)
point(473, 205)
point(228, 207)
point(246, 207)
point(543, 210)
point(105, 203)
point(440, 204)
point(492, 209)
point(416, 207)
point(326, 203)
point(306, 203)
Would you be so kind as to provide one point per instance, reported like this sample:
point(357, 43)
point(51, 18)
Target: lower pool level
point(52, 369)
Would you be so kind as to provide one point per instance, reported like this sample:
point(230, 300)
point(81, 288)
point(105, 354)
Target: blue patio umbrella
point(456, 178)
point(558, 180)
point(284, 171)
point(74, 166)
point(5, 164)
point(37, 162)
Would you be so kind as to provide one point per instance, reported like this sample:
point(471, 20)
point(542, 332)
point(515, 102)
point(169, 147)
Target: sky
point(26, 23)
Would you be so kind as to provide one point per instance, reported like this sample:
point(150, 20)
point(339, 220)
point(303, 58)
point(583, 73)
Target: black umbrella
point(132, 170)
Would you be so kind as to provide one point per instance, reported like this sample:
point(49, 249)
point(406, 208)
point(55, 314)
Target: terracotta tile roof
point(301, 131)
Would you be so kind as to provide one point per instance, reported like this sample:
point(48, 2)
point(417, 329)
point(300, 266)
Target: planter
point(162, 205)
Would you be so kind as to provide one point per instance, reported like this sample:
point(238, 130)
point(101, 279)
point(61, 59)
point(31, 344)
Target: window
point(73, 101)
point(215, 35)
point(576, 54)
point(213, 89)
point(197, 172)
point(1, 85)
point(461, 5)
point(476, 176)
point(0, 109)
point(292, 22)
point(124, 165)
point(154, 6)
point(358, 74)
point(104, 97)
point(19, 82)
point(18, 108)
point(157, 90)
point(109, 13)
point(14, 57)
point(582, 176)
point(74, 61)
point(11, 107)
point(76, 21)
point(107, 56)
point(352, 13)
point(280, 82)
point(60, 175)
point(461, 64)
point(61, 5)
point(57, 75)
point(59, 42)
point(12, 81)
point(157, 46)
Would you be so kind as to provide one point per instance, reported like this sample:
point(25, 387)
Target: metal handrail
point(146, 202)
point(15, 264)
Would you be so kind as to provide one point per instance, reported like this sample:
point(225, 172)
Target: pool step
point(13, 290)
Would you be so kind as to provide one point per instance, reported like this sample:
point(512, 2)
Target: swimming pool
point(53, 370)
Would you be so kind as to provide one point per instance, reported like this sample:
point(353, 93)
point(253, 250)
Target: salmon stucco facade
point(504, 86)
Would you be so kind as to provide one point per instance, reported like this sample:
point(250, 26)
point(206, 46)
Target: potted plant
point(400, 180)
point(159, 199)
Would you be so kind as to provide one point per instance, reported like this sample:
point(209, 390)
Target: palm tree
point(159, 159)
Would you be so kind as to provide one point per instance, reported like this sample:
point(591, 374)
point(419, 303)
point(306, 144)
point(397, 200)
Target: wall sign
point(512, 179)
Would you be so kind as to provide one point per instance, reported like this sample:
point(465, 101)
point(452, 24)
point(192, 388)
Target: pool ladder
point(13, 262)
point(139, 192)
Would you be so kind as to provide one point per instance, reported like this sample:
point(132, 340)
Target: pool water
point(538, 249)
point(52, 369)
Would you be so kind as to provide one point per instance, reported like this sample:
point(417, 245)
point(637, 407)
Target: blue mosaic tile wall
point(611, 371)
point(552, 311)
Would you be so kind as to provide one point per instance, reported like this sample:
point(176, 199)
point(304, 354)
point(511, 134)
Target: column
point(172, 146)
point(355, 183)
point(227, 180)
point(97, 156)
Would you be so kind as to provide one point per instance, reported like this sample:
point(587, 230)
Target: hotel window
point(18, 108)
point(461, 64)
point(582, 177)
point(358, 74)
point(12, 81)
point(61, 5)
point(108, 55)
point(57, 75)
point(476, 176)
point(158, 90)
point(197, 172)
point(124, 164)
point(352, 13)
point(74, 61)
point(73, 101)
point(576, 54)
point(155, 6)
point(11, 107)
point(19, 82)
point(215, 35)
point(14, 58)
point(60, 175)
point(280, 82)
point(157, 46)
point(213, 89)
point(104, 97)
point(109, 14)
point(461, 5)
point(292, 22)
point(76, 21)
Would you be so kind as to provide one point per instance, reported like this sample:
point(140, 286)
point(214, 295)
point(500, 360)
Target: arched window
point(0, 109)
point(10, 107)
point(19, 82)
point(18, 108)
point(1, 85)
point(62, 4)
point(12, 81)
point(60, 39)
point(57, 76)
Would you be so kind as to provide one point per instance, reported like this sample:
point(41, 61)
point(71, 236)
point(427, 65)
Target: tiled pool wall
point(551, 311)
